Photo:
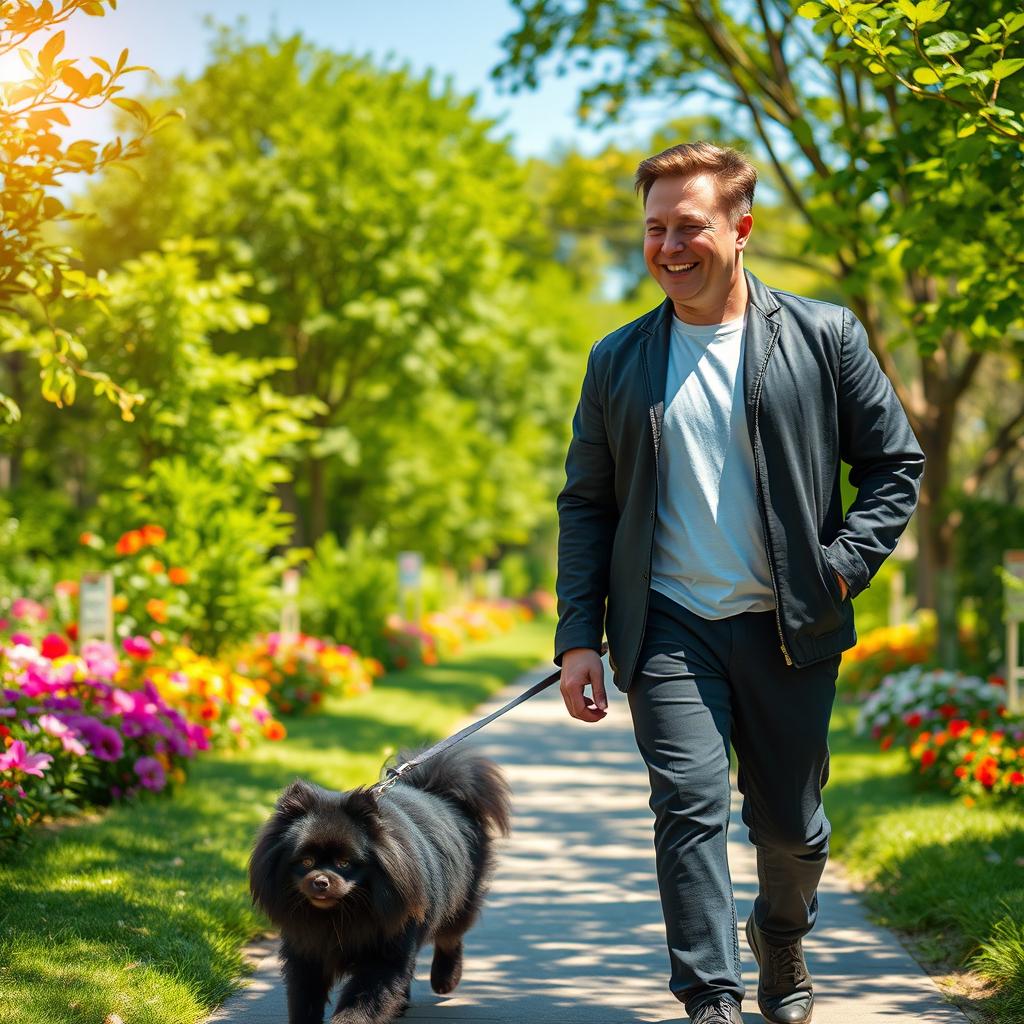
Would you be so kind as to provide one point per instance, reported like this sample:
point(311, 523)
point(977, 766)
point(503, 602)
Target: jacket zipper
point(762, 506)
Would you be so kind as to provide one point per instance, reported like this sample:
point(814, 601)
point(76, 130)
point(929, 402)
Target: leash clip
point(393, 775)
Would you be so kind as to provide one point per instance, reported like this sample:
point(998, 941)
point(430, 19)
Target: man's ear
point(743, 229)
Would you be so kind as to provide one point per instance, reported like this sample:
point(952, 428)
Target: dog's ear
point(362, 803)
point(297, 799)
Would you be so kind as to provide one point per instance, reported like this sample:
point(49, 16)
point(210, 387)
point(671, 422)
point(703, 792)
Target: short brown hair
point(733, 174)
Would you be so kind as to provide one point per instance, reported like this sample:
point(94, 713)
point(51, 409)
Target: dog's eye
point(308, 862)
point(341, 863)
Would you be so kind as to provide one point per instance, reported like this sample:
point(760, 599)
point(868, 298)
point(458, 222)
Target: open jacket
point(815, 396)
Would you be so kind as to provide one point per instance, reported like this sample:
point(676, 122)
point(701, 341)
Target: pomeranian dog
point(358, 881)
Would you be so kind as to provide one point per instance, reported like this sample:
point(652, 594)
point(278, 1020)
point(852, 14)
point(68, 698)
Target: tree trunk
point(317, 498)
point(285, 491)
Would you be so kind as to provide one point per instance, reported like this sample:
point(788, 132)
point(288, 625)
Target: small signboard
point(1013, 613)
point(410, 583)
point(410, 570)
point(290, 607)
point(96, 607)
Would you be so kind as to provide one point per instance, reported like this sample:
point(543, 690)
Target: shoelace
point(714, 1013)
point(786, 966)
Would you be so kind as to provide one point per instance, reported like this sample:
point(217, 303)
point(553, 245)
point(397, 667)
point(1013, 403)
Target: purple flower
point(106, 744)
point(151, 773)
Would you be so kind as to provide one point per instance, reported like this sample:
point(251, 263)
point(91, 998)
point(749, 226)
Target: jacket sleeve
point(587, 518)
point(886, 462)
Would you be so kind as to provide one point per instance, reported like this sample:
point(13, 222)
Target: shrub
point(349, 592)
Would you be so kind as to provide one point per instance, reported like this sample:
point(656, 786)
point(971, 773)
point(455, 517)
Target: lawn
point(950, 877)
point(143, 912)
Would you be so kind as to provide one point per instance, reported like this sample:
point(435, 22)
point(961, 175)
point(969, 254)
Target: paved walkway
point(572, 930)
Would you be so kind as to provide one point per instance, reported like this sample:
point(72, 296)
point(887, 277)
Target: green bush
point(349, 591)
point(225, 535)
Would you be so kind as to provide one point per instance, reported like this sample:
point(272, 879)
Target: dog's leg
point(377, 992)
point(307, 986)
point(446, 969)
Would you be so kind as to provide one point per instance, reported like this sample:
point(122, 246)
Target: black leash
point(395, 773)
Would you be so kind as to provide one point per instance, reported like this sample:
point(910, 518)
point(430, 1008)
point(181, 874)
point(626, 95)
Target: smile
point(676, 268)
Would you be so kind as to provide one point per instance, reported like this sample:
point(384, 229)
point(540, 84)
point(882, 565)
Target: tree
point(391, 240)
point(33, 159)
point(918, 218)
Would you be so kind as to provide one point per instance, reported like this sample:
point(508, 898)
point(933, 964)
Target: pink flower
point(18, 759)
point(73, 745)
point(26, 608)
point(137, 647)
point(52, 725)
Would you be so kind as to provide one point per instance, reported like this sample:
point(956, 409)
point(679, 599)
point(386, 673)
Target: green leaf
point(925, 76)
point(810, 10)
point(1004, 68)
point(943, 43)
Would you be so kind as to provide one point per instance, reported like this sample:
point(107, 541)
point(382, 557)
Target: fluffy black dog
point(358, 881)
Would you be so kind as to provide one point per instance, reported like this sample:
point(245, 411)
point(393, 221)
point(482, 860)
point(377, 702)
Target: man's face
point(692, 249)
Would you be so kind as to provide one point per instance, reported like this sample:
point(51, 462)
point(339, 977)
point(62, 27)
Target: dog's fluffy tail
point(473, 782)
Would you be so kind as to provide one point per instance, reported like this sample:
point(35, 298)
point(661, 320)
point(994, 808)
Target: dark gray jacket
point(815, 395)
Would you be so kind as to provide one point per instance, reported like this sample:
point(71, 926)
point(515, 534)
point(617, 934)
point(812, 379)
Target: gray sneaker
point(718, 1011)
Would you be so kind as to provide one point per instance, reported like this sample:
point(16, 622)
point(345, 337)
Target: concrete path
point(572, 931)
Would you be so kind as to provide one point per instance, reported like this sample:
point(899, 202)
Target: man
point(702, 502)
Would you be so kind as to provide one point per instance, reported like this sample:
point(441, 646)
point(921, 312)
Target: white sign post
point(1013, 613)
point(410, 582)
point(96, 607)
point(290, 608)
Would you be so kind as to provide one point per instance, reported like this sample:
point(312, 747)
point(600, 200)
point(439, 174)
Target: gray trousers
point(699, 685)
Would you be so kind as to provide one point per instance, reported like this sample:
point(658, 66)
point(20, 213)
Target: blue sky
point(460, 38)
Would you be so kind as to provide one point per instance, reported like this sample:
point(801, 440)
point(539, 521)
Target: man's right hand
point(582, 667)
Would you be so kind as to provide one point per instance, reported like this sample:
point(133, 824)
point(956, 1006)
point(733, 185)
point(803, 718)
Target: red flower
point(912, 720)
point(54, 646)
point(130, 542)
point(886, 742)
point(928, 758)
point(1017, 778)
point(957, 727)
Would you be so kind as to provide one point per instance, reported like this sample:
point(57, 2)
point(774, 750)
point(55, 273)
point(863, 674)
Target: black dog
point(358, 881)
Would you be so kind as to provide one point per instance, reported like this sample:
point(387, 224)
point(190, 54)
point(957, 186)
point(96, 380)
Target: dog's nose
point(321, 882)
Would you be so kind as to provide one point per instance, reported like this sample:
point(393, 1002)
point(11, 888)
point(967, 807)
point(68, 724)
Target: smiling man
point(701, 526)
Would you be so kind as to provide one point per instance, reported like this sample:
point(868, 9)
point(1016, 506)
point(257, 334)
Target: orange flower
point(157, 609)
point(130, 542)
point(153, 534)
point(156, 567)
point(68, 587)
point(86, 538)
point(274, 730)
point(177, 575)
point(119, 603)
point(209, 711)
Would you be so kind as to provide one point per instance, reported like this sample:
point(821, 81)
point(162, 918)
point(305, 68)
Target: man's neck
point(731, 307)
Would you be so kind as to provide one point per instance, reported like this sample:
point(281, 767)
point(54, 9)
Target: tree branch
point(1007, 438)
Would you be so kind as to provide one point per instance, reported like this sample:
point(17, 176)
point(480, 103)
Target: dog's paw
point(446, 970)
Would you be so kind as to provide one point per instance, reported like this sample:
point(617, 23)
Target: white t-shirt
point(709, 551)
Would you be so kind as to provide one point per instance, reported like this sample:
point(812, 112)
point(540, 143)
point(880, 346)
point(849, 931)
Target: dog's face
point(328, 863)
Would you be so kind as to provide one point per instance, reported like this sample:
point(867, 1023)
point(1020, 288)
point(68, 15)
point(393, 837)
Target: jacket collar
point(761, 334)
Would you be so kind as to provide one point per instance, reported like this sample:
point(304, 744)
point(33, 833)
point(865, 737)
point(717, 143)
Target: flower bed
point(298, 674)
point(91, 729)
point(955, 728)
point(440, 634)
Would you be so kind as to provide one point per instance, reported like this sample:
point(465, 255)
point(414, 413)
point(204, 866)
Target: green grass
point(143, 912)
point(949, 876)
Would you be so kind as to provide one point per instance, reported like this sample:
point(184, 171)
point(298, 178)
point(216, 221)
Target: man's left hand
point(843, 588)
